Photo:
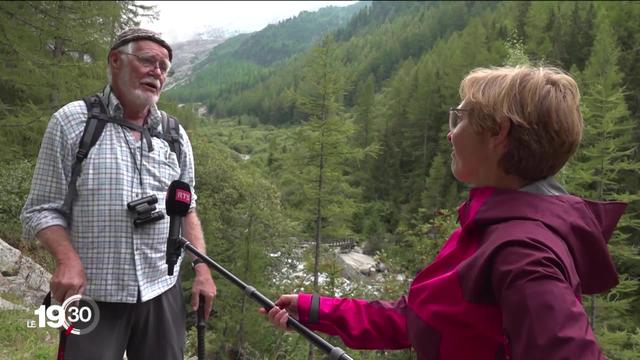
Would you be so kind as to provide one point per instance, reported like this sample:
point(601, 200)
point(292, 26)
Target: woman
point(508, 282)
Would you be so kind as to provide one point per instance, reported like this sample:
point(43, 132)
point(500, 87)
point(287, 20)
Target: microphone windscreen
point(178, 199)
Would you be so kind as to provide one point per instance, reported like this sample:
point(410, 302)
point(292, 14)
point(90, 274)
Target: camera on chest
point(145, 210)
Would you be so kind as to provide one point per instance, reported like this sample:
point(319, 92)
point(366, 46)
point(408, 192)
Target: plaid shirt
point(118, 258)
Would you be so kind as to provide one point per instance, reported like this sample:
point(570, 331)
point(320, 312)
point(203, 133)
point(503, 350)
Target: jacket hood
point(585, 226)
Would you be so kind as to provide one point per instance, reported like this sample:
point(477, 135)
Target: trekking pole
point(334, 352)
point(200, 325)
point(62, 336)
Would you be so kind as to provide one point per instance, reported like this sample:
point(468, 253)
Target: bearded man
point(99, 250)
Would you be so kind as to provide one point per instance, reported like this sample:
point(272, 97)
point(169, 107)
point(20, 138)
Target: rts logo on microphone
point(183, 196)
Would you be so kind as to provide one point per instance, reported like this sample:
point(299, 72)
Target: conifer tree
point(323, 158)
point(598, 172)
point(52, 52)
point(364, 109)
point(537, 26)
point(437, 184)
point(426, 114)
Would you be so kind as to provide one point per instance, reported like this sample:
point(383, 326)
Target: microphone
point(177, 205)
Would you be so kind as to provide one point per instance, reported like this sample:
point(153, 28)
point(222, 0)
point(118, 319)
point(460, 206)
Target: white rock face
point(21, 277)
point(355, 262)
point(9, 257)
point(186, 55)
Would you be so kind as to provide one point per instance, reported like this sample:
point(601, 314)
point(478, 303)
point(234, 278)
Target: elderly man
point(88, 227)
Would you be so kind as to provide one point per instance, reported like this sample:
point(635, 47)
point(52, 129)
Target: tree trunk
point(316, 264)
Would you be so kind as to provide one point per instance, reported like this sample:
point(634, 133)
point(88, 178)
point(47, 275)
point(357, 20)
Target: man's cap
point(136, 34)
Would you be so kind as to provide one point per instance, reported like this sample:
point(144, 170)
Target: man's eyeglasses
point(455, 117)
point(150, 62)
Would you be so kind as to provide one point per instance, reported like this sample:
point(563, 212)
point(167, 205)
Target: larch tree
point(598, 171)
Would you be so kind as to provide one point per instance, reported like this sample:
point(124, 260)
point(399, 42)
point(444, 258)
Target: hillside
point(245, 59)
point(187, 55)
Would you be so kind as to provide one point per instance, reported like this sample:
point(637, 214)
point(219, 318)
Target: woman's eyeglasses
point(150, 62)
point(455, 117)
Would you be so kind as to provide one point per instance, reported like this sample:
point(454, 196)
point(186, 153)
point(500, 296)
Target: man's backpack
point(97, 118)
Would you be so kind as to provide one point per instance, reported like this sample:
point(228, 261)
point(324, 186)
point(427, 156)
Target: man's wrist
point(68, 259)
point(197, 262)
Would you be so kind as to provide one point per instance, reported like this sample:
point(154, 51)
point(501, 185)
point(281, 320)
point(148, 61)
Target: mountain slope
point(292, 36)
point(245, 59)
point(187, 54)
point(376, 42)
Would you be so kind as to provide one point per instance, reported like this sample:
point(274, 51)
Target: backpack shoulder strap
point(97, 118)
point(171, 133)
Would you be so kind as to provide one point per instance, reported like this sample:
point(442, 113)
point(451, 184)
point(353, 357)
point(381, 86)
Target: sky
point(180, 20)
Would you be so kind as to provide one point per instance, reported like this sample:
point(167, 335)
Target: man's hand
point(203, 284)
point(67, 280)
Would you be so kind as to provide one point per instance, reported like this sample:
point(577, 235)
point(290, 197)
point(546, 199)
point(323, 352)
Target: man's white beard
point(137, 96)
point(142, 98)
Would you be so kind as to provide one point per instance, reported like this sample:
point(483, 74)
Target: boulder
point(355, 263)
point(22, 278)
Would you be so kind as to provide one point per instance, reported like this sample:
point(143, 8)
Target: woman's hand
point(286, 305)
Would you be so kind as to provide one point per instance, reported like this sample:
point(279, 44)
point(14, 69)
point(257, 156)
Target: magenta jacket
point(507, 284)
